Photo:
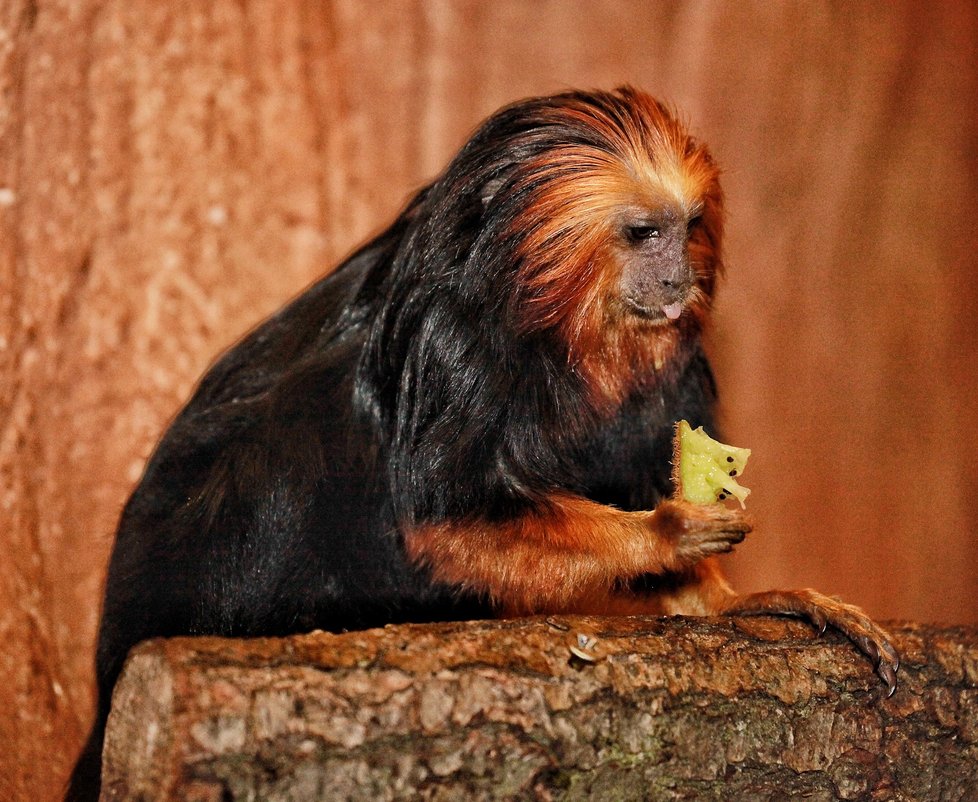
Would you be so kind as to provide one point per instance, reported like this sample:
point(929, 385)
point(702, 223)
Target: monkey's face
point(610, 244)
point(610, 216)
point(655, 276)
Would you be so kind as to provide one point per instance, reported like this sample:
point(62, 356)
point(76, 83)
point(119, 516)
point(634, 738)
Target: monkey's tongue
point(673, 311)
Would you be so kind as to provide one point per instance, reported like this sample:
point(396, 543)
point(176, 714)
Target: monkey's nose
point(675, 286)
point(673, 290)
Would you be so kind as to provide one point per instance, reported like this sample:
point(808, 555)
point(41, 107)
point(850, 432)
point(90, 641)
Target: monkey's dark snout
point(675, 286)
point(675, 289)
point(675, 274)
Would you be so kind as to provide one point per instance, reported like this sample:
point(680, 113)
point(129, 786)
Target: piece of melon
point(704, 468)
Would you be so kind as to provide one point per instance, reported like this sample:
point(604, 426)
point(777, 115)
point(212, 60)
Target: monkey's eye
point(639, 233)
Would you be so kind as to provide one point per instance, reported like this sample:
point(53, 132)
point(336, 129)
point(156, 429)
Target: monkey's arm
point(569, 549)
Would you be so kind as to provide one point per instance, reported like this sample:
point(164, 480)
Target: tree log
point(559, 708)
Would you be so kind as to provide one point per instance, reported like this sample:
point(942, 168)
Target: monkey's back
point(265, 508)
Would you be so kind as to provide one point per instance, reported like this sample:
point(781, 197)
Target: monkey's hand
point(697, 531)
point(823, 612)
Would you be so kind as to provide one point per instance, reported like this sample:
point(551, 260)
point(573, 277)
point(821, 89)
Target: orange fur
point(570, 553)
point(568, 239)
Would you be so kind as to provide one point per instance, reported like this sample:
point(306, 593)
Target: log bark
point(665, 709)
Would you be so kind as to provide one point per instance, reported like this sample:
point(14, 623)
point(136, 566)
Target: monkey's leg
point(824, 611)
point(570, 549)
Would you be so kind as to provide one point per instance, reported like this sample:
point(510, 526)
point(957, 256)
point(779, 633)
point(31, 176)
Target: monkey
point(472, 416)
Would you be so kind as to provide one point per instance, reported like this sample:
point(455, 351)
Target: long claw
point(888, 673)
point(891, 653)
point(819, 621)
point(869, 648)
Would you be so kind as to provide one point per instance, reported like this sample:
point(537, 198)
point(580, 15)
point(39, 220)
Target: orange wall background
point(170, 173)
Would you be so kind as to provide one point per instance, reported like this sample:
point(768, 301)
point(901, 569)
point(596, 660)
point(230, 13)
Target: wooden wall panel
point(170, 173)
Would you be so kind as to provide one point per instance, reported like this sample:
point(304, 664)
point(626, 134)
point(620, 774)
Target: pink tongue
point(673, 311)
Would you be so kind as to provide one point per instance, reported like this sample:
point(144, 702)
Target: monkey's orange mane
point(636, 157)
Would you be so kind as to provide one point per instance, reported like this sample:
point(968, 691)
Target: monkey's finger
point(723, 546)
point(818, 620)
point(869, 647)
point(874, 643)
point(889, 653)
point(721, 521)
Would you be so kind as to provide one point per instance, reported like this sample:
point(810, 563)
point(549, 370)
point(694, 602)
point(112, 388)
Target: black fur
point(398, 390)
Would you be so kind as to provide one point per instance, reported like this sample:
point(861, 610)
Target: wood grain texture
point(667, 709)
point(171, 173)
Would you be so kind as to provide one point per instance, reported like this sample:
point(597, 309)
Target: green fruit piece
point(704, 468)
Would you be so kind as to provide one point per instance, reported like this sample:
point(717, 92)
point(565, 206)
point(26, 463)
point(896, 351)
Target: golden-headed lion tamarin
point(471, 416)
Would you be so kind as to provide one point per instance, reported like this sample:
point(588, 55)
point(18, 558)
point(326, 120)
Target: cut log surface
point(559, 708)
